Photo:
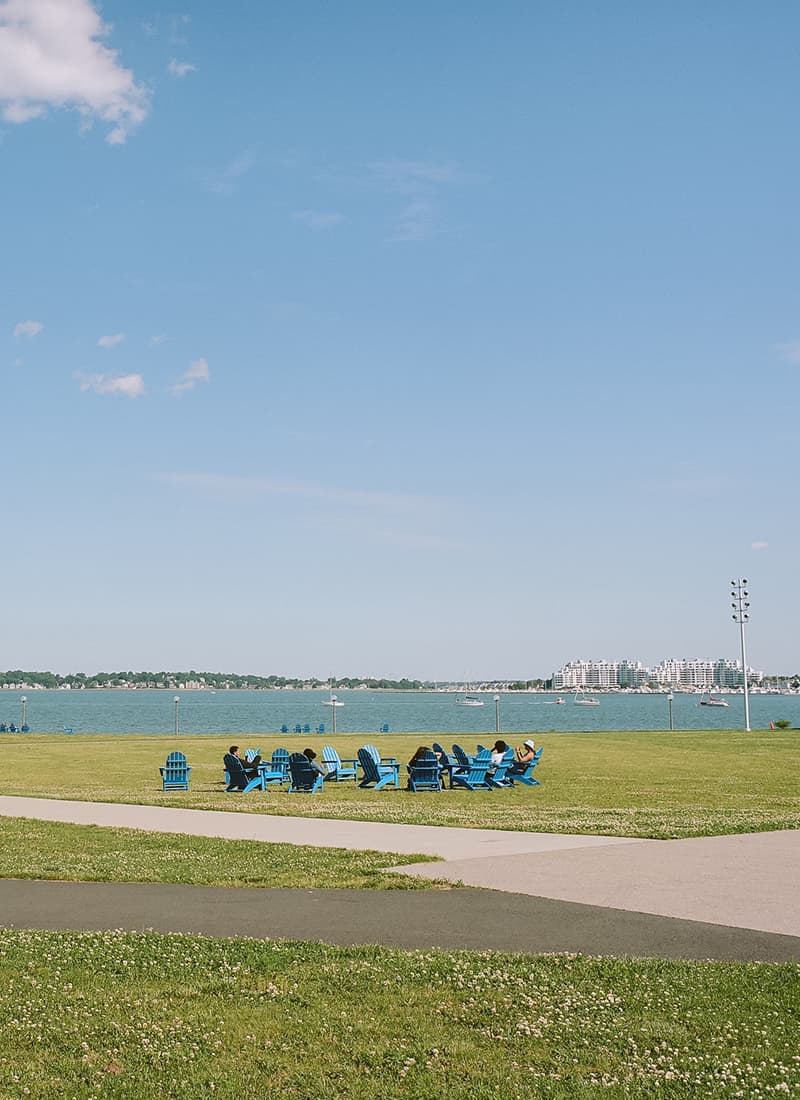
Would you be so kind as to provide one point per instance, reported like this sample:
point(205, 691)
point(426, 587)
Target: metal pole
point(497, 714)
point(744, 675)
point(333, 713)
point(669, 700)
point(741, 615)
point(177, 704)
point(24, 701)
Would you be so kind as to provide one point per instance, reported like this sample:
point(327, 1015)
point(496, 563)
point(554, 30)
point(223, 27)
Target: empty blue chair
point(305, 778)
point(464, 761)
point(321, 728)
point(280, 762)
point(284, 729)
point(337, 768)
point(25, 728)
point(377, 772)
point(175, 773)
point(306, 728)
point(383, 728)
point(475, 779)
point(298, 728)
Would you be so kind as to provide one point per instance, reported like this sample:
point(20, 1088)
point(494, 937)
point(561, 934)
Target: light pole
point(333, 713)
point(24, 702)
point(741, 615)
point(497, 714)
point(177, 701)
point(669, 700)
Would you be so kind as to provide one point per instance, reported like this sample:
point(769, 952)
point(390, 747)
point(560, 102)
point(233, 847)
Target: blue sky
point(448, 340)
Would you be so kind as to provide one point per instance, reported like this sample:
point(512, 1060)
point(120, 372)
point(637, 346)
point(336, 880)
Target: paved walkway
point(718, 897)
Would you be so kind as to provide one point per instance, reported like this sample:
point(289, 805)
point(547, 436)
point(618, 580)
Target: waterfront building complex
point(680, 674)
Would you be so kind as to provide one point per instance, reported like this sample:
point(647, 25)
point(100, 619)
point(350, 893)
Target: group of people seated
point(523, 754)
point(240, 772)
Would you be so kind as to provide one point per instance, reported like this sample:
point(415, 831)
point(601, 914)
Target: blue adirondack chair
point(306, 728)
point(284, 728)
point(280, 762)
point(499, 777)
point(383, 728)
point(425, 774)
point(305, 779)
point(175, 773)
point(375, 771)
point(462, 758)
point(337, 768)
point(321, 727)
point(238, 779)
point(251, 754)
point(525, 777)
point(298, 728)
point(475, 778)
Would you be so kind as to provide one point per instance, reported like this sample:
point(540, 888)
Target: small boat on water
point(559, 701)
point(469, 701)
point(714, 701)
point(582, 700)
point(332, 702)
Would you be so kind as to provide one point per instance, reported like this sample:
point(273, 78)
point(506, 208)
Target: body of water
point(235, 713)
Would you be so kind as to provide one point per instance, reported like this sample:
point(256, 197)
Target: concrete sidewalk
point(748, 882)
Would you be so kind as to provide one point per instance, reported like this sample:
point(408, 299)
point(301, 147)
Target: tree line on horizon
point(219, 680)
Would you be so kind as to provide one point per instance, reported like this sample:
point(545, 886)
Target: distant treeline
point(216, 680)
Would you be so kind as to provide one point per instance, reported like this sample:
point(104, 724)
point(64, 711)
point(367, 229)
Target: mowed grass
point(137, 1015)
point(88, 853)
point(645, 784)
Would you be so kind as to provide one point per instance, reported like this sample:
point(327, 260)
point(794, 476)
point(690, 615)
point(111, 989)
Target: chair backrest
point(176, 759)
point(479, 767)
point(373, 752)
point(280, 760)
point(461, 756)
point(369, 765)
point(321, 727)
point(330, 758)
point(304, 776)
point(424, 772)
point(251, 754)
point(237, 776)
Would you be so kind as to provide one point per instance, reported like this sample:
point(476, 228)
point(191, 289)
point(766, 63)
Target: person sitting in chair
point(523, 754)
point(239, 772)
point(312, 759)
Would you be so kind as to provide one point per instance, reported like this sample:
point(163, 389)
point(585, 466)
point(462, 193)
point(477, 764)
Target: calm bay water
point(235, 713)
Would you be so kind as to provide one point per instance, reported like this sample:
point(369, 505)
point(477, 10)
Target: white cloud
point(51, 56)
point(317, 219)
point(180, 68)
point(28, 328)
point(197, 372)
point(111, 341)
point(159, 338)
point(224, 182)
point(759, 545)
point(416, 222)
point(412, 176)
point(128, 385)
point(790, 352)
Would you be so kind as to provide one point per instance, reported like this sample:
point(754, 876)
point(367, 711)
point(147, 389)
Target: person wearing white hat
point(523, 754)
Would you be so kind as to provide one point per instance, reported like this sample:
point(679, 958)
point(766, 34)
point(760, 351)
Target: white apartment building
point(702, 673)
point(600, 674)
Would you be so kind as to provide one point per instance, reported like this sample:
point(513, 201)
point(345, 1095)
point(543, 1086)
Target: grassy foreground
point(88, 853)
point(647, 784)
point(136, 1015)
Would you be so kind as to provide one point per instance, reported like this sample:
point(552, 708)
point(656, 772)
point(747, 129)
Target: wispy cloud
point(224, 182)
point(126, 385)
point(51, 56)
point(111, 341)
point(415, 222)
point(234, 485)
point(27, 329)
point(412, 176)
point(318, 219)
point(759, 545)
point(197, 372)
point(789, 352)
point(158, 339)
point(180, 68)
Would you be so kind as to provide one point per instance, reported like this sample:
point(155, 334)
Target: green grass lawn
point(140, 1015)
point(647, 784)
point(88, 853)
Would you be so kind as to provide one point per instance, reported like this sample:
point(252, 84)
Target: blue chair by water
point(306, 728)
point(376, 771)
point(25, 728)
point(425, 774)
point(175, 773)
point(525, 776)
point(305, 779)
point(298, 728)
point(237, 777)
point(284, 729)
point(68, 729)
point(384, 728)
point(475, 778)
point(337, 768)
point(320, 728)
point(12, 728)
point(280, 762)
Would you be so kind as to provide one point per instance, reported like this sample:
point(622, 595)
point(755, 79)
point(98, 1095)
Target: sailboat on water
point(582, 700)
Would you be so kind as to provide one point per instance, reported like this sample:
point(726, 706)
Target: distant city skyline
point(426, 340)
